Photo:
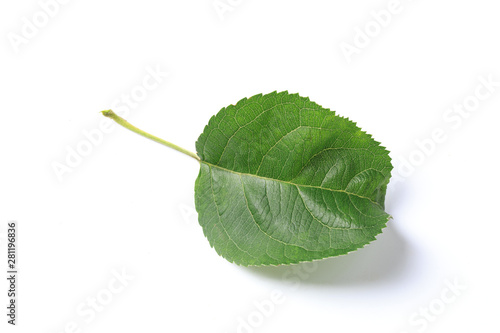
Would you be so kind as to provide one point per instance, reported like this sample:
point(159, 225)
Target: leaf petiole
point(127, 125)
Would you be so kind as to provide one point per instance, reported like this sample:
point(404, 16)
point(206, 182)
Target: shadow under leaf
point(381, 261)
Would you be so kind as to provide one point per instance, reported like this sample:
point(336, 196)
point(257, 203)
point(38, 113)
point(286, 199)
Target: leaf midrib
point(291, 183)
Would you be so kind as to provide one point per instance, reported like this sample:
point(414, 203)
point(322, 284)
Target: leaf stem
point(127, 125)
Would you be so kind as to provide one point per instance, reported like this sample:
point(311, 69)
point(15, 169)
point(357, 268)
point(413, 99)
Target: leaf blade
point(269, 151)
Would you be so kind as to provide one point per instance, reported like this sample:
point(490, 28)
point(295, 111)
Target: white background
point(128, 205)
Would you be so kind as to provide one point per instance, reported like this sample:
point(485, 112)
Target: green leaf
point(283, 180)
